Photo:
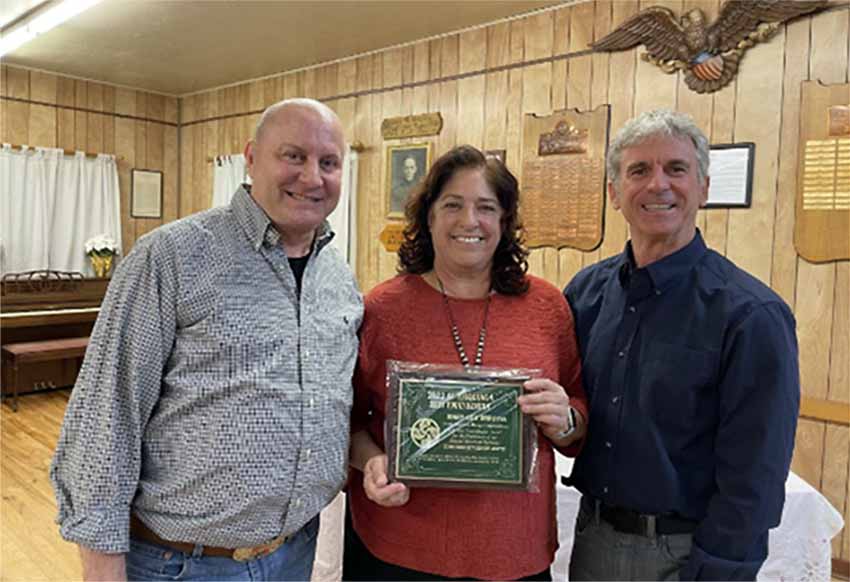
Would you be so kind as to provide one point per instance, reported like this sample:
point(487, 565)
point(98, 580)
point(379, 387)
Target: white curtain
point(26, 201)
point(88, 204)
point(51, 204)
point(228, 174)
point(343, 219)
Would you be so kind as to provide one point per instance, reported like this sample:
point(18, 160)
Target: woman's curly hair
point(416, 254)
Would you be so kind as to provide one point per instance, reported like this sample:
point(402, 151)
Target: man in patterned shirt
point(209, 423)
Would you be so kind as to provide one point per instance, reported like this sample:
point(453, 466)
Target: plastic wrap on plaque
point(451, 426)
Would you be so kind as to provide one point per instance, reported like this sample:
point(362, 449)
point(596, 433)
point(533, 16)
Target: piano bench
point(17, 354)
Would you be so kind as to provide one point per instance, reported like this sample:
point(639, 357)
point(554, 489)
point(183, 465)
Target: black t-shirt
point(297, 265)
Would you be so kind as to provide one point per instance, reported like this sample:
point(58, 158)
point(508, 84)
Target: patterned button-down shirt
point(213, 401)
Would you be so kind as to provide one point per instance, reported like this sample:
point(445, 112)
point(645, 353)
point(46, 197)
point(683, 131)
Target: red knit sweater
point(453, 532)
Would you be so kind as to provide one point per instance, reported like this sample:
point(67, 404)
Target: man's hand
point(98, 566)
point(548, 404)
point(377, 485)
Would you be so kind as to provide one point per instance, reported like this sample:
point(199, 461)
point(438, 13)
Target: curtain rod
point(65, 151)
point(357, 146)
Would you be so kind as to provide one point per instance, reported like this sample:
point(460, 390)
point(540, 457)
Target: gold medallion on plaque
point(563, 178)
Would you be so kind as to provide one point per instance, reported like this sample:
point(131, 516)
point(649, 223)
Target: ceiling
point(178, 47)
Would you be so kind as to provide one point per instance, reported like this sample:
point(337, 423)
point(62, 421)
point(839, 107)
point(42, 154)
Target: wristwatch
point(571, 424)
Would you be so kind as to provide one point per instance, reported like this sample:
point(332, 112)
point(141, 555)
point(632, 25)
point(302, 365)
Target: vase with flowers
point(100, 250)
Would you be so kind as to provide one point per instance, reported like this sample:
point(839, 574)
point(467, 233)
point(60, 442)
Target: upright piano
point(43, 305)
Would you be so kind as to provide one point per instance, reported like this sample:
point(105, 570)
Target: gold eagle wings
point(708, 54)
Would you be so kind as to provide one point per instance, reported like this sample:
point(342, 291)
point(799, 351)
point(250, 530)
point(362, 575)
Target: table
point(799, 548)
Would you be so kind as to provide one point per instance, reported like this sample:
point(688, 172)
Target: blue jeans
point(292, 561)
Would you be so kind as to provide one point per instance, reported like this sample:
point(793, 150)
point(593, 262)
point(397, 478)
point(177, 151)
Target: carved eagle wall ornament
point(708, 54)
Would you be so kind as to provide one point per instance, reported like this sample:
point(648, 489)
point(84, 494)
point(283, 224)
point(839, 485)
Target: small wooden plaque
point(392, 236)
point(839, 121)
point(412, 126)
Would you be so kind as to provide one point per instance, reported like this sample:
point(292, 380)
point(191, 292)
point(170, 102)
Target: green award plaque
point(457, 430)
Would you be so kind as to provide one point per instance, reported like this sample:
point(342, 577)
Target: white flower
point(101, 245)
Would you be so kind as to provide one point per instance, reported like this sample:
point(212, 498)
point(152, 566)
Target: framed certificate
point(146, 194)
point(456, 427)
point(731, 175)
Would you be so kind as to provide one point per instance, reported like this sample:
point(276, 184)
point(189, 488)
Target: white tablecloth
point(799, 548)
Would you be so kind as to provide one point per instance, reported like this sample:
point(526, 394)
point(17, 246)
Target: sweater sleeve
point(365, 371)
point(570, 368)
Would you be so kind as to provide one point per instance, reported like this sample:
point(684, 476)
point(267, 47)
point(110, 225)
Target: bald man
point(209, 423)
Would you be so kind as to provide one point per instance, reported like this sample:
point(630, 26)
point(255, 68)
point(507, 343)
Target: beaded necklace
point(461, 352)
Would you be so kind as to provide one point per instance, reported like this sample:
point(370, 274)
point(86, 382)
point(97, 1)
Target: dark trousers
point(358, 563)
point(602, 553)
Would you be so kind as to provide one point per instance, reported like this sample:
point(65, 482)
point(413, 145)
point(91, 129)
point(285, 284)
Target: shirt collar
point(257, 226)
point(666, 271)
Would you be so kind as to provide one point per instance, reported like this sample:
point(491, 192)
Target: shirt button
point(615, 400)
point(604, 490)
point(658, 291)
point(621, 354)
point(607, 444)
point(632, 309)
point(312, 402)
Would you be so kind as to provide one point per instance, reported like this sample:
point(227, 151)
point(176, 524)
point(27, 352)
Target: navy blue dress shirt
point(690, 366)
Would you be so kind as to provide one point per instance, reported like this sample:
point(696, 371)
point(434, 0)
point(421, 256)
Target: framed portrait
point(731, 183)
point(406, 167)
point(146, 194)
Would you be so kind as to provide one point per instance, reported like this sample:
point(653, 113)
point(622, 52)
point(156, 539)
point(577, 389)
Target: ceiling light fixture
point(40, 22)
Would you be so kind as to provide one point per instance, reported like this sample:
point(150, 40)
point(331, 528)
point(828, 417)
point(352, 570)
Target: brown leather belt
point(142, 532)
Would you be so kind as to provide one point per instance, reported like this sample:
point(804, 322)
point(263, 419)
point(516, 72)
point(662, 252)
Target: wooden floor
point(30, 546)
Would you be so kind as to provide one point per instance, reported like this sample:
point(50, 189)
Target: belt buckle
point(649, 525)
point(248, 554)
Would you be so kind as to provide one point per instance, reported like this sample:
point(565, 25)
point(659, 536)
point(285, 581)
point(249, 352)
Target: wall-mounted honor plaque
point(392, 236)
point(412, 126)
point(563, 178)
point(456, 427)
point(822, 226)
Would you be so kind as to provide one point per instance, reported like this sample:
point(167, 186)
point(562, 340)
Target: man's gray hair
point(650, 124)
point(272, 110)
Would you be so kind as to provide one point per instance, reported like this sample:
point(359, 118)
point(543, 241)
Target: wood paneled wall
point(42, 109)
point(486, 108)
point(481, 82)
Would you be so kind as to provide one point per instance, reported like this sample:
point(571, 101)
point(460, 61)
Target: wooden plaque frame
point(822, 225)
point(563, 178)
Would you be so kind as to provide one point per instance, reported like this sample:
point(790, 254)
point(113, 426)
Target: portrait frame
point(398, 188)
point(731, 171)
point(146, 199)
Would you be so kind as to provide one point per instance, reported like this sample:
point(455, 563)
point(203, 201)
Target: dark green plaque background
point(472, 444)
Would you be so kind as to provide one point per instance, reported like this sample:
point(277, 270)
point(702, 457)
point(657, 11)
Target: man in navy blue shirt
point(691, 368)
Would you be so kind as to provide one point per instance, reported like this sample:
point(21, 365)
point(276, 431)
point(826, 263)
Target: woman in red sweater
point(463, 297)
